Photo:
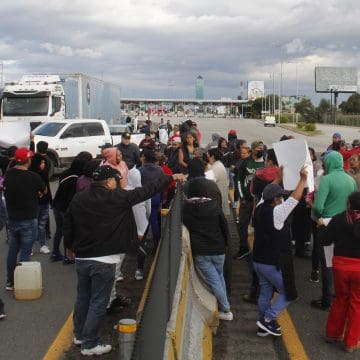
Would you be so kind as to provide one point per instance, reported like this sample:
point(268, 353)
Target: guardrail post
point(127, 331)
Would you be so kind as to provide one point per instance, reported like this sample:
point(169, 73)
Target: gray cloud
point(158, 47)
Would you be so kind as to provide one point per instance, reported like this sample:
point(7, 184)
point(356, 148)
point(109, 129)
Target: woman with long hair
point(186, 152)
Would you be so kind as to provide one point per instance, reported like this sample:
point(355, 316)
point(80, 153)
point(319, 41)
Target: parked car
point(66, 138)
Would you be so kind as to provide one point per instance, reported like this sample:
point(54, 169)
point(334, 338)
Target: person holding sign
point(272, 253)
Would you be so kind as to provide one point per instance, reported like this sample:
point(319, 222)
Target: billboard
point(336, 79)
point(256, 89)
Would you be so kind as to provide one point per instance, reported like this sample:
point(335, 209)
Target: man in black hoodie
point(98, 226)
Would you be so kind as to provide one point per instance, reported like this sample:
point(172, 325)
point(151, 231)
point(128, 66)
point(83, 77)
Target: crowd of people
point(104, 209)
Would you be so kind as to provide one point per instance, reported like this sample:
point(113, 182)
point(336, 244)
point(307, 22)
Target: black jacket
point(340, 233)
point(100, 221)
point(207, 226)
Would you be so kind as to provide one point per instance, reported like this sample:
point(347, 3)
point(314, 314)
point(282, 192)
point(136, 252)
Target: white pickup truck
point(66, 138)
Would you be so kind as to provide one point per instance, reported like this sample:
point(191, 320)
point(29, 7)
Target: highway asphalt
point(31, 326)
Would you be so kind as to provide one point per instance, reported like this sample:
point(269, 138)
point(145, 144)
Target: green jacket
point(334, 189)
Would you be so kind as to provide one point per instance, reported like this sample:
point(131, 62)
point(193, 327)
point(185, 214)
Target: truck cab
point(35, 98)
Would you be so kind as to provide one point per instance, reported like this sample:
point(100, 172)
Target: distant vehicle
point(270, 121)
point(66, 138)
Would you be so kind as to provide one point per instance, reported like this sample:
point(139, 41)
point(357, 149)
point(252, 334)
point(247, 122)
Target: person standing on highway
point(245, 176)
point(354, 171)
point(272, 253)
point(344, 232)
point(63, 196)
point(186, 152)
point(150, 172)
point(221, 177)
point(40, 164)
point(330, 200)
point(22, 189)
point(113, 157)
point(205, 220)
point(130, 151)
point(98, 226)
point(336, 138)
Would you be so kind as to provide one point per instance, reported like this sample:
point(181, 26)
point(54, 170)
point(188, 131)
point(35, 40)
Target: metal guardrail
point(151, 333)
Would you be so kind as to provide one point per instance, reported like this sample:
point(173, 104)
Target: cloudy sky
point(156, 48)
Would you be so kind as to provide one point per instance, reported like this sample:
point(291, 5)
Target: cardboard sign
point(292, 155)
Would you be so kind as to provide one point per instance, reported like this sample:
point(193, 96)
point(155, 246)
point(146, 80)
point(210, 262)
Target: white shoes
point(120, 277)
point(97, 350)
point(44, 249)
point(139, 274)
point(76, 341)
point(226, 315)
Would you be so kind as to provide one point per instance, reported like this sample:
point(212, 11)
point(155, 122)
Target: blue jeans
point(270, 278)
point(43, 217)
point(59, 219)
point(212, 267)
point(22, 234)
point(95, 281)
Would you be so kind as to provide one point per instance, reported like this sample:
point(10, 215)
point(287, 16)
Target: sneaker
point(314, 276)
point(56, 257)
point(237, 220)
point(67, 261)
point(97, 350)
point(139, 274)
point(77, 341)
point(242, 253)
point(118, 304)
point(250, 299)
point(9, 286)
point(228, 316)
point(44, 249)
point(269, 326)
point(261, 332)
point(120, 277)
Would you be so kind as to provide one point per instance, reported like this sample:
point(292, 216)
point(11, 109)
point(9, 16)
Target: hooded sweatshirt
point(215, 140)
point(334, 189)
point(110, 159)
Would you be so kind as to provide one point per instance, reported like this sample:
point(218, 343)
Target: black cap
point(126, 135)
point(106, 146)
point(272, 191)
point(105, 172)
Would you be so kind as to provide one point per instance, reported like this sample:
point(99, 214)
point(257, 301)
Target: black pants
point(246, 209)
point(301, 227)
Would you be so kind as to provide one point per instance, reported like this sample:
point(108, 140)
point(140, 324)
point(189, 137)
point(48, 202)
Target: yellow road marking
point(62, 341)
point(291, 338)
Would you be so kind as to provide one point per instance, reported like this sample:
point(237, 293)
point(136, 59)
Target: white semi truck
point(38, 98)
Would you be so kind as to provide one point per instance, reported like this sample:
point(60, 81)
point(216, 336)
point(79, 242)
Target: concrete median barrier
point(194, 315)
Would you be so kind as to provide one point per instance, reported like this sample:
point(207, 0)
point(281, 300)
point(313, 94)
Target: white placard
point(292, 155)
point(14, 133)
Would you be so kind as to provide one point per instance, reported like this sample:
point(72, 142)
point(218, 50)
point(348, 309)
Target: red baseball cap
point(23, 154)
point(232, 132)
